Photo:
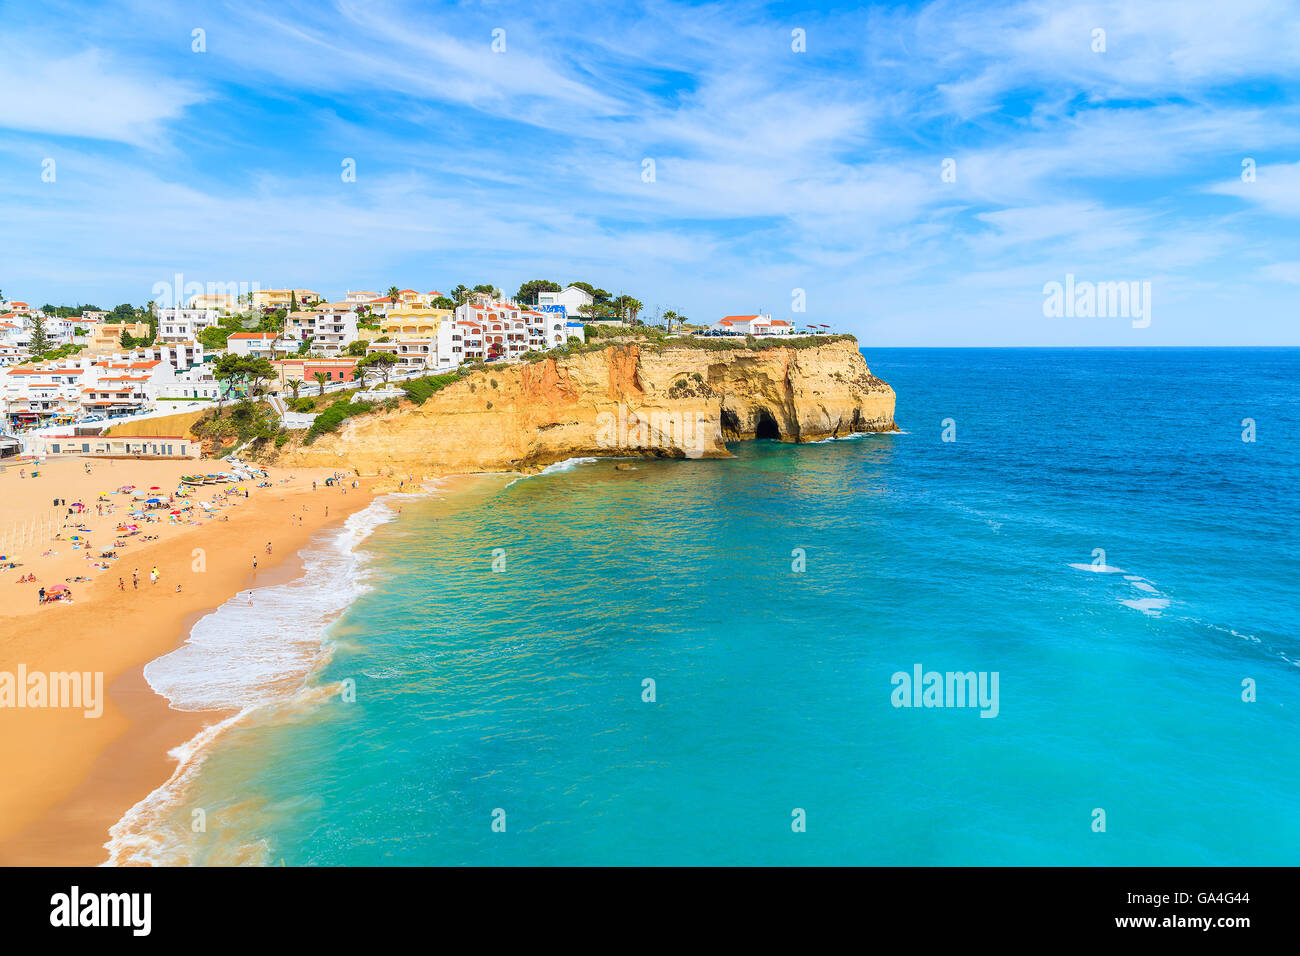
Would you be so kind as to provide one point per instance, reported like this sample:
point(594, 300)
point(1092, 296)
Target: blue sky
point(775, 170)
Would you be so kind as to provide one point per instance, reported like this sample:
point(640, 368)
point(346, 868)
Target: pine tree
point(40, 342)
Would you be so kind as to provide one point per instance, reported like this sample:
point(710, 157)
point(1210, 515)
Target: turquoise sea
point(521, 689)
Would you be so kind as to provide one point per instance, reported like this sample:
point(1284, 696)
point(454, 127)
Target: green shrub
point(333, 418)
point(418, 390)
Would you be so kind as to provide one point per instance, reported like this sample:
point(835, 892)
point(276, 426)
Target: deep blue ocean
point(1098, 535)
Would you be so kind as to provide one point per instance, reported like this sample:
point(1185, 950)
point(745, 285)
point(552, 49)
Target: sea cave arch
point(765, 425)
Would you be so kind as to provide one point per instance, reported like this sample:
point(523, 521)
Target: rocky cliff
point(678, 401)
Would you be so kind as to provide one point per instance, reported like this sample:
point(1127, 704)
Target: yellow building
point(108, 337)
point(280, 298)
point(413, 322)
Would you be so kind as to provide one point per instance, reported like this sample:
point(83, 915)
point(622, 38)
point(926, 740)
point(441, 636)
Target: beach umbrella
point(56, 587)
point(174, 512)
point(154, 488)
point(154, 501)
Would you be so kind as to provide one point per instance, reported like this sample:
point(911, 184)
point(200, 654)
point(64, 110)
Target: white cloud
point(87, 94)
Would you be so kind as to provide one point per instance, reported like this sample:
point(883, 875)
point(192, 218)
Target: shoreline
point(69, 778)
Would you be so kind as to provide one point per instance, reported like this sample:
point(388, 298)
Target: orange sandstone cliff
point(678, 401)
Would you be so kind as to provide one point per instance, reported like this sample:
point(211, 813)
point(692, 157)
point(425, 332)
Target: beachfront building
point(112, 389)
point(360, 298)
point(101, 446)
point(183, 325)
point(37, 394)
point(571, 298)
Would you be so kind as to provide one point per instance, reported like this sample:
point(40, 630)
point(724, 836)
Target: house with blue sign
point(567, 301)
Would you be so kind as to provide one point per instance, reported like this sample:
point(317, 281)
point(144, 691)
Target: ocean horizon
point(697, 662)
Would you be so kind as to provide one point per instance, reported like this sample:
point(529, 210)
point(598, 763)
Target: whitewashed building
point(183, 325)
point(571, 298)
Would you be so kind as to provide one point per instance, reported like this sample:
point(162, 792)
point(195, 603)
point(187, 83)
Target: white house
point(548, 330)
point(111, 389)
point(257, 344)
point(756, 325)
point(411, 354)
point(183, 325)
point(505, 334)
point(330, 331)
point(571, 298)
point(459, 340)
point(35, 393)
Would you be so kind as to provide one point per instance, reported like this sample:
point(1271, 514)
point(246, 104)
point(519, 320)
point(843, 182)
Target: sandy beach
point(68, 776)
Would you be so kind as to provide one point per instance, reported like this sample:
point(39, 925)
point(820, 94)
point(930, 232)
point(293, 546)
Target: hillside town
point(64, 366)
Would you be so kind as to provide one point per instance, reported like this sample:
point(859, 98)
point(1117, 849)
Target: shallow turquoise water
point(522, 689)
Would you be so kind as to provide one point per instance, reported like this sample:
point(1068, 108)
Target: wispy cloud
point(822, 170)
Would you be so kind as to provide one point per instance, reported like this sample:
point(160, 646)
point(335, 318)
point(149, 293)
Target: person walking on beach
point(268, 547)
point(40, 596)
point(135, 579)
point(121, 585)
point(254, 562)
point(153, 575)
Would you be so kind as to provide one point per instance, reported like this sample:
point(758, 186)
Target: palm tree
point(294, 384)
point(393, 292)
point(670, 317)
point(322, 378)
point(633, 307)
